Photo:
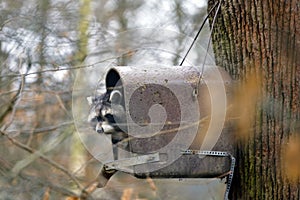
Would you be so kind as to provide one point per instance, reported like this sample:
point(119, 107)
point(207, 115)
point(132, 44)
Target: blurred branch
point(50, 128)
point(48, 146)
point(39, 130)
point(12, 102)
point(60, 69)
point(37, 91)
point(89, 189)
point(62, 105)
point(55, 187)
point(5, 166)
point(44, 158)
point(7, 22)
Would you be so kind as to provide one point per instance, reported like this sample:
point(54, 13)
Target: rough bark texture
point(263, 37)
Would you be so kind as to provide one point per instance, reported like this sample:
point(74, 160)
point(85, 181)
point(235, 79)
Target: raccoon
point(107, 116)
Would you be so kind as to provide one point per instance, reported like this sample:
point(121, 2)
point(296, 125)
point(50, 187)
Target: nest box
point(170, 115)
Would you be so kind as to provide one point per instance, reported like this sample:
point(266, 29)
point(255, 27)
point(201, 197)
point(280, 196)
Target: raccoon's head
point(107, 113)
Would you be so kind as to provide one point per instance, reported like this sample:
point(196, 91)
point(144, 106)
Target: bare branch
point(48, 146)
point(37, 91)
point(40, 130)
point(14, 106)
point(61, 104)
point(13, 100)
point(5, 166)
point(44, 158)
point(60, 69)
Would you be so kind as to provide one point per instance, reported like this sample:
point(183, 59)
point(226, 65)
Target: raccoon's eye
point(110, 118)
point(105, 110)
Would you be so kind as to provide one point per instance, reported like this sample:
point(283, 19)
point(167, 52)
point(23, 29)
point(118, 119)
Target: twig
point(48, 146)
point(29, 140)
point(12, 101)
point(44, 158)
point(61, 104)
point(41, 130)
point(37, 91)
point(14, 106)
point(190, 125)
point(6, 166)
point(46, 183)
point(89, 189)
point(61, 69)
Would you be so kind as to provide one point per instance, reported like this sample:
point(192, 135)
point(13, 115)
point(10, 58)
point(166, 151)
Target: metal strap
point(143, 159)
point(132, 161)
point(219, 154)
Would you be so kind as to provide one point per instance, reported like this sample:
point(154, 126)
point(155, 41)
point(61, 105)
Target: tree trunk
point(262, 37)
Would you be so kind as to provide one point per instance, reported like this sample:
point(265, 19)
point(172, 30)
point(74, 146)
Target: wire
point(208, 45)
point(209, 40)
point(198, 33)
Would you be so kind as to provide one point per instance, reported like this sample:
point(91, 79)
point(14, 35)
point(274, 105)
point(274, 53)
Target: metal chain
point(219, 154)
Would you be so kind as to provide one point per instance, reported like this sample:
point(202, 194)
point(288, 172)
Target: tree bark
point(262, 37)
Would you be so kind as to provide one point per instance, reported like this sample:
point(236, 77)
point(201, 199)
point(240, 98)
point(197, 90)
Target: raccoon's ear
point(90, 100)
point(115, 97)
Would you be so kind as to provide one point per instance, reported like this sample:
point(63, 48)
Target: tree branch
point(44, 158)
point(5, 166)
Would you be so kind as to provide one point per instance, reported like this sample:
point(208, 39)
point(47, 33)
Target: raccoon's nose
point(107, 128)
point(99, 128)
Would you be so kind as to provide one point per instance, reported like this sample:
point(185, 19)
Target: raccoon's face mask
point(107, 115)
